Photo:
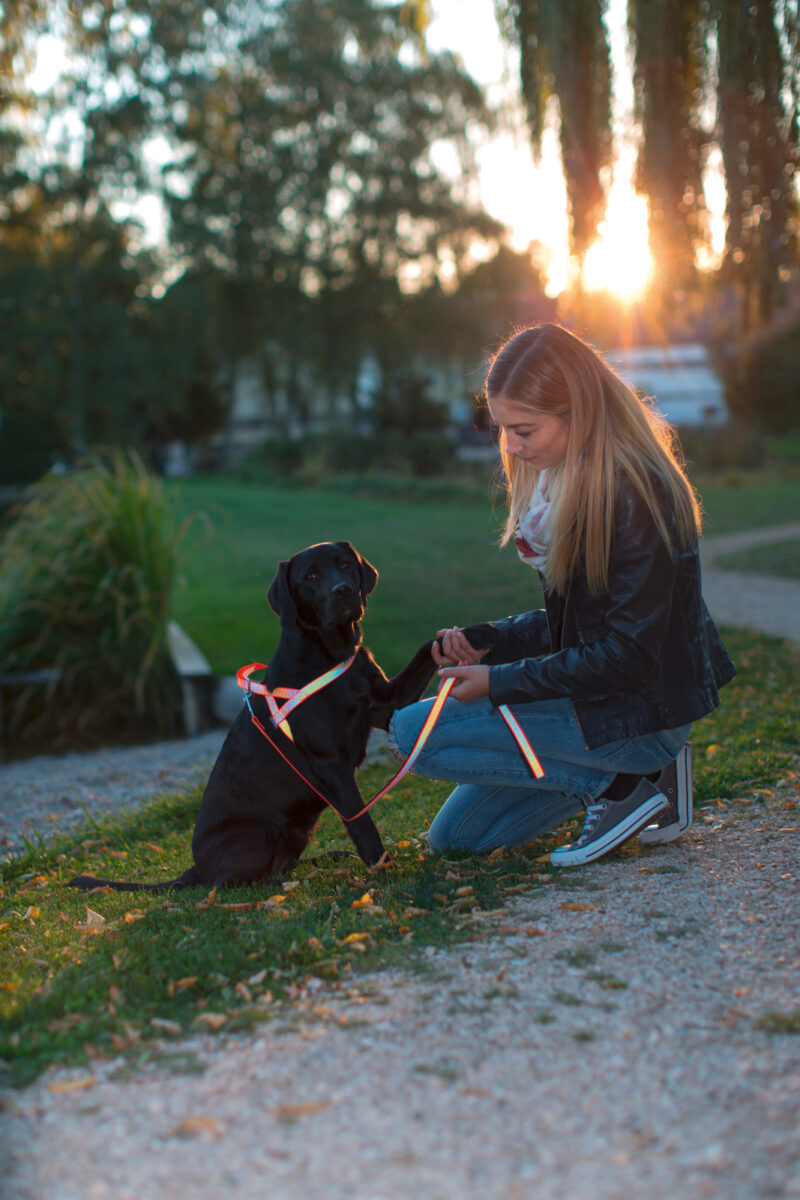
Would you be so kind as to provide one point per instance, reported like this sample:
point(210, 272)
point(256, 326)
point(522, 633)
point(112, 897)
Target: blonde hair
point(612, 432)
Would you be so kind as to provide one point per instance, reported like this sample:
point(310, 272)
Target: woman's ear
point(368, 574)
point(280, 597)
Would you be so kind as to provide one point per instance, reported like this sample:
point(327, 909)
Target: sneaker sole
point(654, 834)
point(570, 857)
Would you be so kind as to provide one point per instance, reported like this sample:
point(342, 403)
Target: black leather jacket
point(641, 657)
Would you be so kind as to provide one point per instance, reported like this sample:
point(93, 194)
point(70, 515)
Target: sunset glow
point(620, 259)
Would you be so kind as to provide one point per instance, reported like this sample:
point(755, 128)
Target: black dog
point(257, 814)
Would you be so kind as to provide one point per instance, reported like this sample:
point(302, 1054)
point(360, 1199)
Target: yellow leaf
point(713, 749)
point(195, 1126)
point(579, 907)
point(365, 900)
point(354, 938)
point(72, 1085)
point(498, 853)
point(291, 1112)
point(211, 1020)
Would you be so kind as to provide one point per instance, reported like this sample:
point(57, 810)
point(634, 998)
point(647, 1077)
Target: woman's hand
point(457, 649)
point(472, 682)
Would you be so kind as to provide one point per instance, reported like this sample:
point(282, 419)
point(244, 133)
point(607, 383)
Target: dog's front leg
point(402, 689)
point(362, 829)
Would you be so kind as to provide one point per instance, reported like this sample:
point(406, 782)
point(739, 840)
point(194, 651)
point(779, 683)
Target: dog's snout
point(342, 589)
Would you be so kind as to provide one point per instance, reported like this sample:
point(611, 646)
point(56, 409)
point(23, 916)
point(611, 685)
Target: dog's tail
point(189, 878)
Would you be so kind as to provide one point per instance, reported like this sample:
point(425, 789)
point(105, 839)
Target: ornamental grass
point(89, 562)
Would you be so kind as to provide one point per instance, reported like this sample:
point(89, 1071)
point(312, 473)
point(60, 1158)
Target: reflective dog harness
point(296, 696)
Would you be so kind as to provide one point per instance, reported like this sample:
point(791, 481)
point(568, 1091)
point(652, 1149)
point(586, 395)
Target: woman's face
point(539, 439)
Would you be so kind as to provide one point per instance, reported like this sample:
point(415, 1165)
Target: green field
point(439, 563)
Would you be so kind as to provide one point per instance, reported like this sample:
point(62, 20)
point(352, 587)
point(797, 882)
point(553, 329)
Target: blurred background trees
point(214, 192)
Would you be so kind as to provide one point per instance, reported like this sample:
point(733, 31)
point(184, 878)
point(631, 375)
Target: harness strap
point(293, 696)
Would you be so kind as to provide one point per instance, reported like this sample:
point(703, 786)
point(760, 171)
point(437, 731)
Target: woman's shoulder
point(638, 496)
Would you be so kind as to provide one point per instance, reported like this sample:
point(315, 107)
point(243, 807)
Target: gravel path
point(598, 1038)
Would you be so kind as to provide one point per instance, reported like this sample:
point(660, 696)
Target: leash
point(296, 696)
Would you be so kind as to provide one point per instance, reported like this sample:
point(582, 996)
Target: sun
point(620, 260)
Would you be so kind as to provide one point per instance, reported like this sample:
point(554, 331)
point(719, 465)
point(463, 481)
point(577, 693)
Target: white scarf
point(532, 534)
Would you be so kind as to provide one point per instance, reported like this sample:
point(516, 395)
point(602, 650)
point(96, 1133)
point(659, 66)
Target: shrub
point(738, 444)
point(88, 566)
point(763, 380)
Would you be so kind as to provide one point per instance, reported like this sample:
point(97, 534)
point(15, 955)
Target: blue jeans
point(499, 802)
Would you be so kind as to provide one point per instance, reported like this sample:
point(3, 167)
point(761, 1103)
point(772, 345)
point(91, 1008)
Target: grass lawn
point(127, 975)
point(439, 564)
point(777, 558)
point(748, 502)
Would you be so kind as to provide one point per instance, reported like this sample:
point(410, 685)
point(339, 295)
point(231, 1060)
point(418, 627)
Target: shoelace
point(593, 815)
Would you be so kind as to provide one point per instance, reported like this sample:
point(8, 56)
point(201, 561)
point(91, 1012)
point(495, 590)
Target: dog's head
point(323, 587)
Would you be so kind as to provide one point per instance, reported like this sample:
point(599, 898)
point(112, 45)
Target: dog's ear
point(280, 597)
point(368, 574)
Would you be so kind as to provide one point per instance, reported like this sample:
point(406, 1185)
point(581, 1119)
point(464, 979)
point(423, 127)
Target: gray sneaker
point(675, 781)
point(610, 823)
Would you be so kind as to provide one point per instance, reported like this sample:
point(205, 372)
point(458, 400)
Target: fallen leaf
point(213, 1021)
point(72, 1085)
point(170, 1027)
point(180, 985)
point(364, 902)
point(713, 749)
point(314, 943)
point(485, 1093)
point(579, 907)
point(196, 1126)
point(291, 1112)
point(242, 906)
point(354, 938)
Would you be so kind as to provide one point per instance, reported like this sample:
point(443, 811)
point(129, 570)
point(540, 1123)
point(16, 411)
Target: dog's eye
point(310, 576)
point(345, 565)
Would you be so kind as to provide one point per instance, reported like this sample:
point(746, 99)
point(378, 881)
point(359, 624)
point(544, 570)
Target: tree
point(739, 58)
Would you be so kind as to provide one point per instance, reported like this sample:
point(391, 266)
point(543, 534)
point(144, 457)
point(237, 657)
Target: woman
point(606, 680)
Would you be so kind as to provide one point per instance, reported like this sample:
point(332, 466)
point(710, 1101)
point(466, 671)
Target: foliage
point(89, 563)
point(564, 54)
point(123, 975)
point(301, 182)
point(763, 378)
point(741, 56)
point(722, 447)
